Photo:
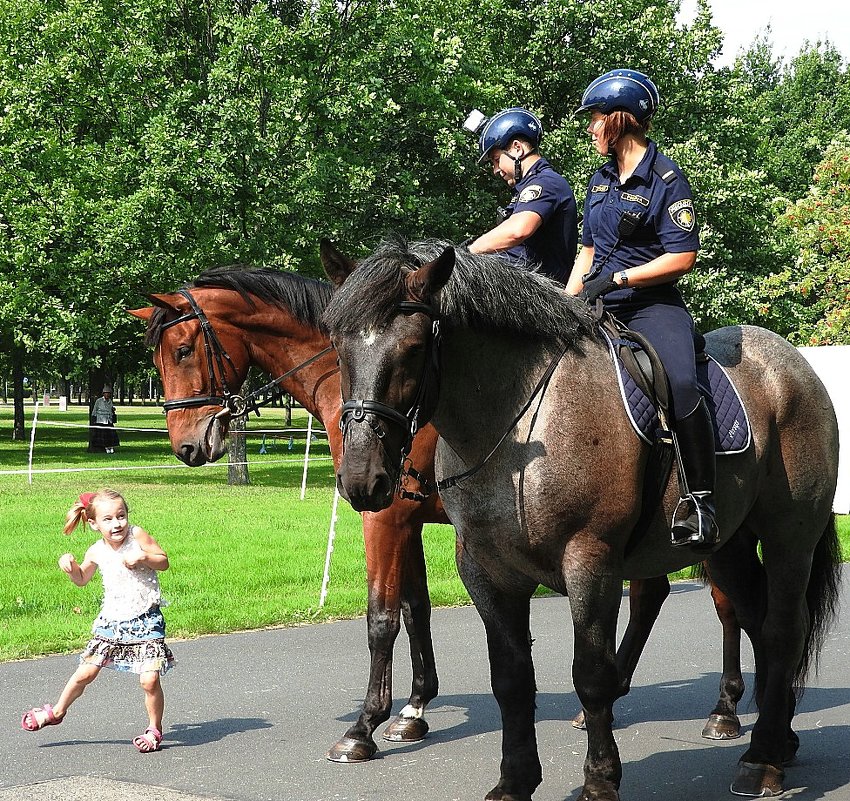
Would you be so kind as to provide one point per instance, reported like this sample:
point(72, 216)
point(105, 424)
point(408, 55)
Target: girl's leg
point(84, 675)
point(154, 698)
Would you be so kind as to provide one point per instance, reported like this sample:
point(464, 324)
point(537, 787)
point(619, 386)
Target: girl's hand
point(68, 563)
point(133, 561)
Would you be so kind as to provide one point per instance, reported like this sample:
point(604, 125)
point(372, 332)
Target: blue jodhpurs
point(670, 330)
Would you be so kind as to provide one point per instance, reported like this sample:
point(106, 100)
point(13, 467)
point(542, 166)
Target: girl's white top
point(126, 593)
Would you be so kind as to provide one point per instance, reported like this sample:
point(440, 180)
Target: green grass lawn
point(241, 557)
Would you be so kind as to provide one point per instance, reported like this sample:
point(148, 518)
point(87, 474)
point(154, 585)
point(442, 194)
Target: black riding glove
point(597, 286)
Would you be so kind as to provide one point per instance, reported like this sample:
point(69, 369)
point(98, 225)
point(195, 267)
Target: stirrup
point(693, 525)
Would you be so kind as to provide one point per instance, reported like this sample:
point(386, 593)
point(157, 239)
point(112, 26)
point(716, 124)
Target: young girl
point(129, 631)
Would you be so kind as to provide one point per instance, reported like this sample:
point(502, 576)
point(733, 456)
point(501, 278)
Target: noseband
point(232, 404)
point(358, 411)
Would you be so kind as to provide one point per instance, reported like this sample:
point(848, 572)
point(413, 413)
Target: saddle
point(646, 394)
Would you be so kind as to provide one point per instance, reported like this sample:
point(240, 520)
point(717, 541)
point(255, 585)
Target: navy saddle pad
point(728, 415)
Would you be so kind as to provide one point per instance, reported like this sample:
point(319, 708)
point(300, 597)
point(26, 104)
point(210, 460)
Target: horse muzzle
point(198, 447)
point(366, 477)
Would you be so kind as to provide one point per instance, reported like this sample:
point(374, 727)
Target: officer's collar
point(538, 165)
point(643, 169)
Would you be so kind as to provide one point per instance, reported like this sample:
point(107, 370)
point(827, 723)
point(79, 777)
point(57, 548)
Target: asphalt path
point(250, 716)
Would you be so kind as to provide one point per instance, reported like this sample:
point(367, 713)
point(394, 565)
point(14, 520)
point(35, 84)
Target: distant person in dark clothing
point(103, 416)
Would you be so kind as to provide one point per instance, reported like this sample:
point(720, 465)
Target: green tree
point(814, 291)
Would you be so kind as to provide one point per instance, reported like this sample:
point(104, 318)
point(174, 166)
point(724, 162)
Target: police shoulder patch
point(530, 193)
point(682, 214)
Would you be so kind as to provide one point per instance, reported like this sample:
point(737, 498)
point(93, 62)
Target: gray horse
point(542, 476)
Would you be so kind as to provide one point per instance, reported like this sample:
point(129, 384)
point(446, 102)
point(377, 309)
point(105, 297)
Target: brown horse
point(426, 332)
point(272, 319)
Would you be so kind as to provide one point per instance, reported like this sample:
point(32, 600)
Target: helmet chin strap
point(518, 163)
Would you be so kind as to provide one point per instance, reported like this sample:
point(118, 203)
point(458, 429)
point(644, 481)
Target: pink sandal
point(149, 741)
point(30, 719)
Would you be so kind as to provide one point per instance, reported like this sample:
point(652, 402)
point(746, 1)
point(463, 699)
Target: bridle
point(372, 412)
point(217, 358)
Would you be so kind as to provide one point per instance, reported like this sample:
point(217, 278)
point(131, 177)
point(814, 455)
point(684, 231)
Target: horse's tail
point(822, 600)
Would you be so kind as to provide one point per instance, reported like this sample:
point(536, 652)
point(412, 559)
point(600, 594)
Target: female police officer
point(639, 236)
point(539, 228)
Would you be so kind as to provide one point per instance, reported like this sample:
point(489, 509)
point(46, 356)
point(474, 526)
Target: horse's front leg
point(595, 586)
point(386, 551)
point(410, 725)
point(506, 623)
point(646, 597)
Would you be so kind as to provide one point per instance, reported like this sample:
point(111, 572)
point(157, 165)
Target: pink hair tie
point(86, 498)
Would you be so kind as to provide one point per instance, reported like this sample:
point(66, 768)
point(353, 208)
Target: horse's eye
point(182, 352)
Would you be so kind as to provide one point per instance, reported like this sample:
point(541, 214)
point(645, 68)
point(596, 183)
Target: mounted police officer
point(639, 237)
point(538, 229)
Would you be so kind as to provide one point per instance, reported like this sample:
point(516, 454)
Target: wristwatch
point(624, 278)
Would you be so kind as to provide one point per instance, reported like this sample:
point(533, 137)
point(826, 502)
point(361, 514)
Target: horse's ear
point(142, 314)
point(431, 277)
point(167, 302)
point(337, 267)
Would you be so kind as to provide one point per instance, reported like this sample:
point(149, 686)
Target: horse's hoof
point(599, 791)
point(406, 730)
point(722, 727)
point(350, 750)
point(757, 780)
point(497, 794)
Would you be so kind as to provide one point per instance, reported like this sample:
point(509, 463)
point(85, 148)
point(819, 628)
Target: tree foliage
point(814, 290)
point(144, 141)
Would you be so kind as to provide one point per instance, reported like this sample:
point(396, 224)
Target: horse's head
point(202, 366)
point(384, 325)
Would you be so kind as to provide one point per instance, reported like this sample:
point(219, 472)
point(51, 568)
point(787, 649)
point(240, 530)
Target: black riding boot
point(693, 521)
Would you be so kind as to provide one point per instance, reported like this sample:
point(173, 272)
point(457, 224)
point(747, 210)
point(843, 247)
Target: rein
point(217, 357)
point(452, 481)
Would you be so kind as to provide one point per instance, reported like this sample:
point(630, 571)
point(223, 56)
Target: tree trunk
point(18, 395)
point(237, 450)
point(237, 454)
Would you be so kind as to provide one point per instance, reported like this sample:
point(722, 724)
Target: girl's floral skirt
point(133, 646)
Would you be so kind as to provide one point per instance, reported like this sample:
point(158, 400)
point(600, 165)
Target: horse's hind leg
point(506, 622)
point(410, 725)
point(723, 723)
point(646, 597)
point(387, 540)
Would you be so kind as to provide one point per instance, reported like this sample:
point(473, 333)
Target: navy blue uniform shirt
point(553, 245)
point(660, 193)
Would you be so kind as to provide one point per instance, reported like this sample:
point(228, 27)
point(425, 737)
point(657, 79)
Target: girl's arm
point(79, 574)
point(152, 555)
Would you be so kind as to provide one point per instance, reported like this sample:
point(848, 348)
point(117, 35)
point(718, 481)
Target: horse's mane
point(304, 298)
point(484, 293)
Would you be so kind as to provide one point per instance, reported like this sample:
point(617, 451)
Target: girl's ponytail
point(79, 512)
